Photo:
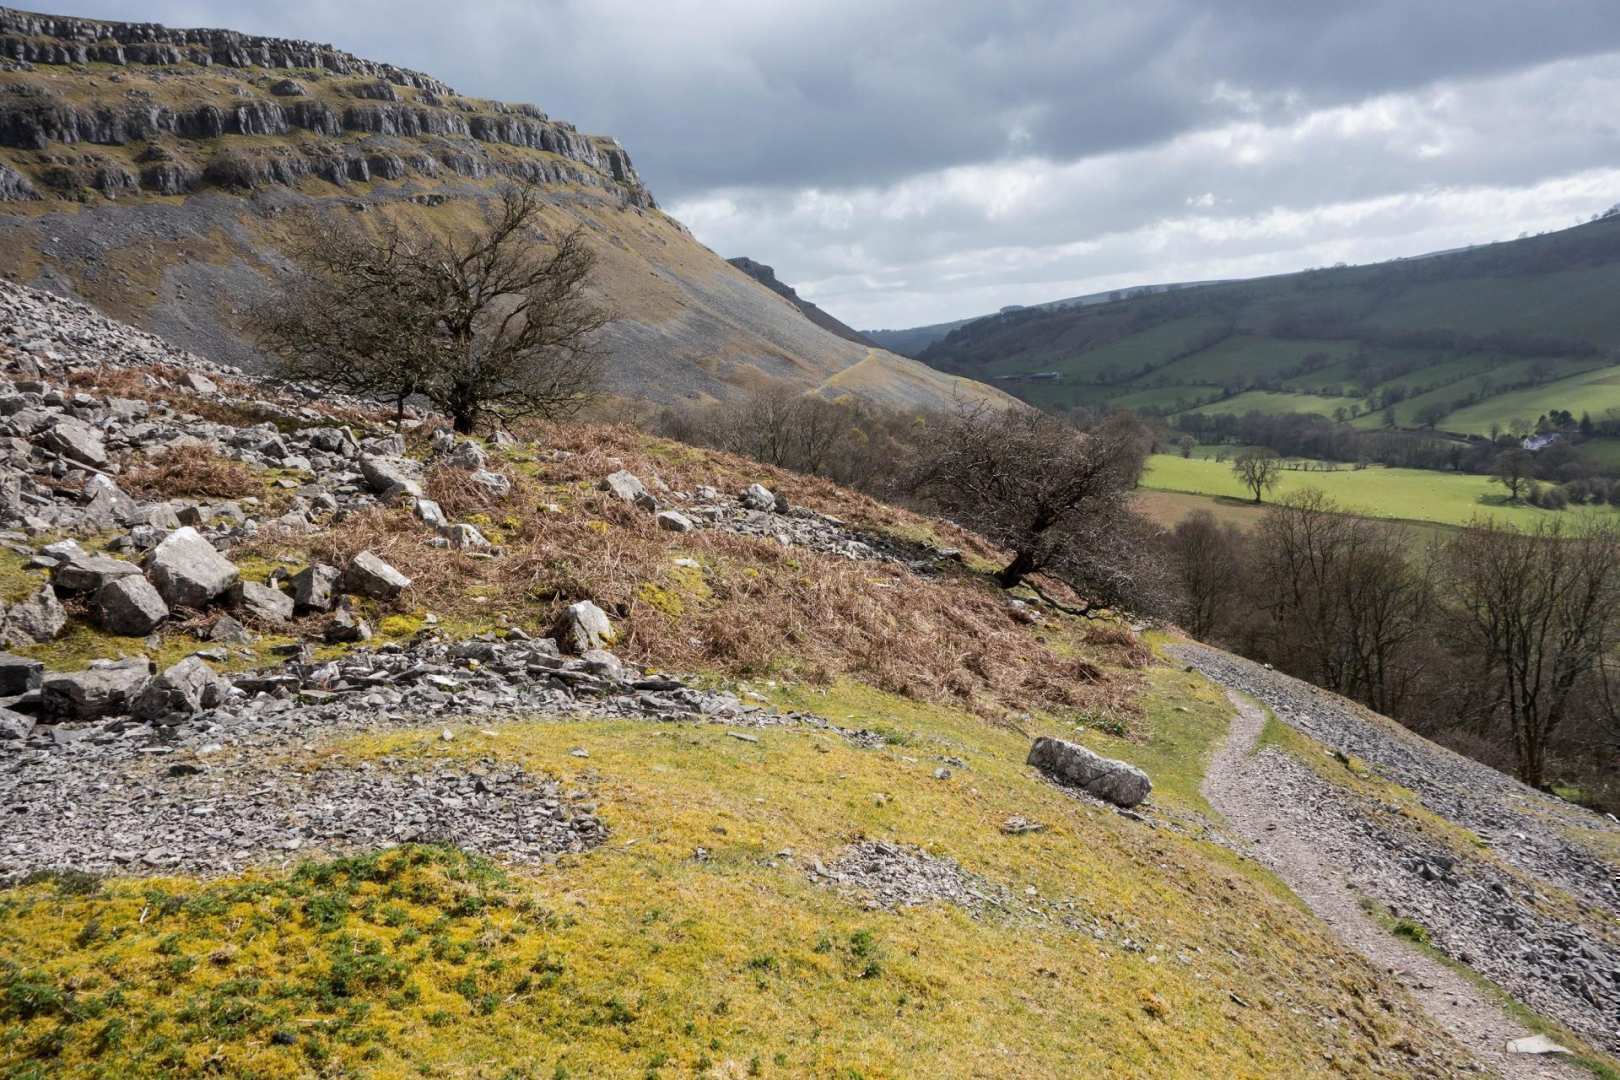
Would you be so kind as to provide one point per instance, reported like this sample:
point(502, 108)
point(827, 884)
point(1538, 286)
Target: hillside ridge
point(1453, 340)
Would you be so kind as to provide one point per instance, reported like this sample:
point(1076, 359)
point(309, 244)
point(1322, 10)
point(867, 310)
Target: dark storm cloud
point(906, 161)
point(832, 93)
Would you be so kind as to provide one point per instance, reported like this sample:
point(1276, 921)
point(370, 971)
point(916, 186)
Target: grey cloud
point(912, 160)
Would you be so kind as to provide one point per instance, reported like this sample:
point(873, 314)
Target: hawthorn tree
point(1055, 496)
point(489, 324)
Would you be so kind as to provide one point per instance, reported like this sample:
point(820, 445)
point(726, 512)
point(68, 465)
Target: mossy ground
point(641, 959)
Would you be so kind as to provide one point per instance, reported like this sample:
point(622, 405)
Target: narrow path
point(1236, 786)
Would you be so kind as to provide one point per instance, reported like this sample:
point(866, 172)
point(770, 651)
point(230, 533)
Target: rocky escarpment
point(766, 276)
point(181, 91)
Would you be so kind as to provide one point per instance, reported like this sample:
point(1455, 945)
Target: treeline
point(858, 444)
point(1495, 640)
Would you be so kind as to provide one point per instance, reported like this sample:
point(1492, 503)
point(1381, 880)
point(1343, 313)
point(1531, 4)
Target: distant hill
point(912, 341)
point(150, 171)
point(766, 276)
point(1460, 340)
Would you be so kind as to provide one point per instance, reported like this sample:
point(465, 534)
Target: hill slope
point(1460, 339)
point(766, 276)
point(913, 340)
point(150, 170)
point(793, 800)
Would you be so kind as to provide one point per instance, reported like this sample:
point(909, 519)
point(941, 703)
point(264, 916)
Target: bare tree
point(488, 324)
point(1259, 469)
point(344, 321)
point(1515, 470)
point(1536, 613)
point(1058, 498)
point(1209, 571)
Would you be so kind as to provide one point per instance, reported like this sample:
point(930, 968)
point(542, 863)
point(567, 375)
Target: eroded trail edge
point(1276, 804)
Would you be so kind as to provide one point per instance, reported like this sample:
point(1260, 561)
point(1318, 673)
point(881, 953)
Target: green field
point(1265, 401)
point(1405, 494)
point(1592, 392)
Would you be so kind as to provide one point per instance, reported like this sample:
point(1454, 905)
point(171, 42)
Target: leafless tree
point(1259, 469)
point(1515, 470)
point(1058, 498)
point(1209, 570)
point(491, 323)
point(1536, 612)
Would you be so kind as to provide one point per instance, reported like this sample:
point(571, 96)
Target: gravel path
point(1244, 787)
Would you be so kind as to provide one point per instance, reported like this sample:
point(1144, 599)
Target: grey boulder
point(76, 440)
point(263, 602)
point(315, 587)
point(38, 618)
point(674, 521)
point(623, 486)
point(183, 690)
point(583, 627)
point(391, 475)
point(19, 674)
point(758, 497)
point(1107, 779)
point(85, 573)
point(187, 571)
point(370, 576)
point(129, 606)
point(102, 690)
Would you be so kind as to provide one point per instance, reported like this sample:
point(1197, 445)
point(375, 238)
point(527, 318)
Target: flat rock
point(104, 690)
point(76, 440)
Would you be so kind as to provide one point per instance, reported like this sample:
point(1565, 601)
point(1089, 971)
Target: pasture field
point(1404, 494)
point(1265, 401)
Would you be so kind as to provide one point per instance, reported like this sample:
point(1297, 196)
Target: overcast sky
point(904, 162)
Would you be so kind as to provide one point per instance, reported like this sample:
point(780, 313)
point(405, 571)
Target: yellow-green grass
point(1265, 401)
point(1593, 392)
point(1404, 494)
point(641, 958)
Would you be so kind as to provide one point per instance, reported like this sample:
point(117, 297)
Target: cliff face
point(217, 108)
point(766, 276)
point(151, 171)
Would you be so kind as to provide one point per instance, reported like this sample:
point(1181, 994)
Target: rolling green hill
point(1459, 340)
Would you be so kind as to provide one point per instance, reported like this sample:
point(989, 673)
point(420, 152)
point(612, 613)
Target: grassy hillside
point(1464, 340)
point(1101, 943)
point(1406, 494)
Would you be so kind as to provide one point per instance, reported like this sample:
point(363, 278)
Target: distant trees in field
point(1258, 469)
